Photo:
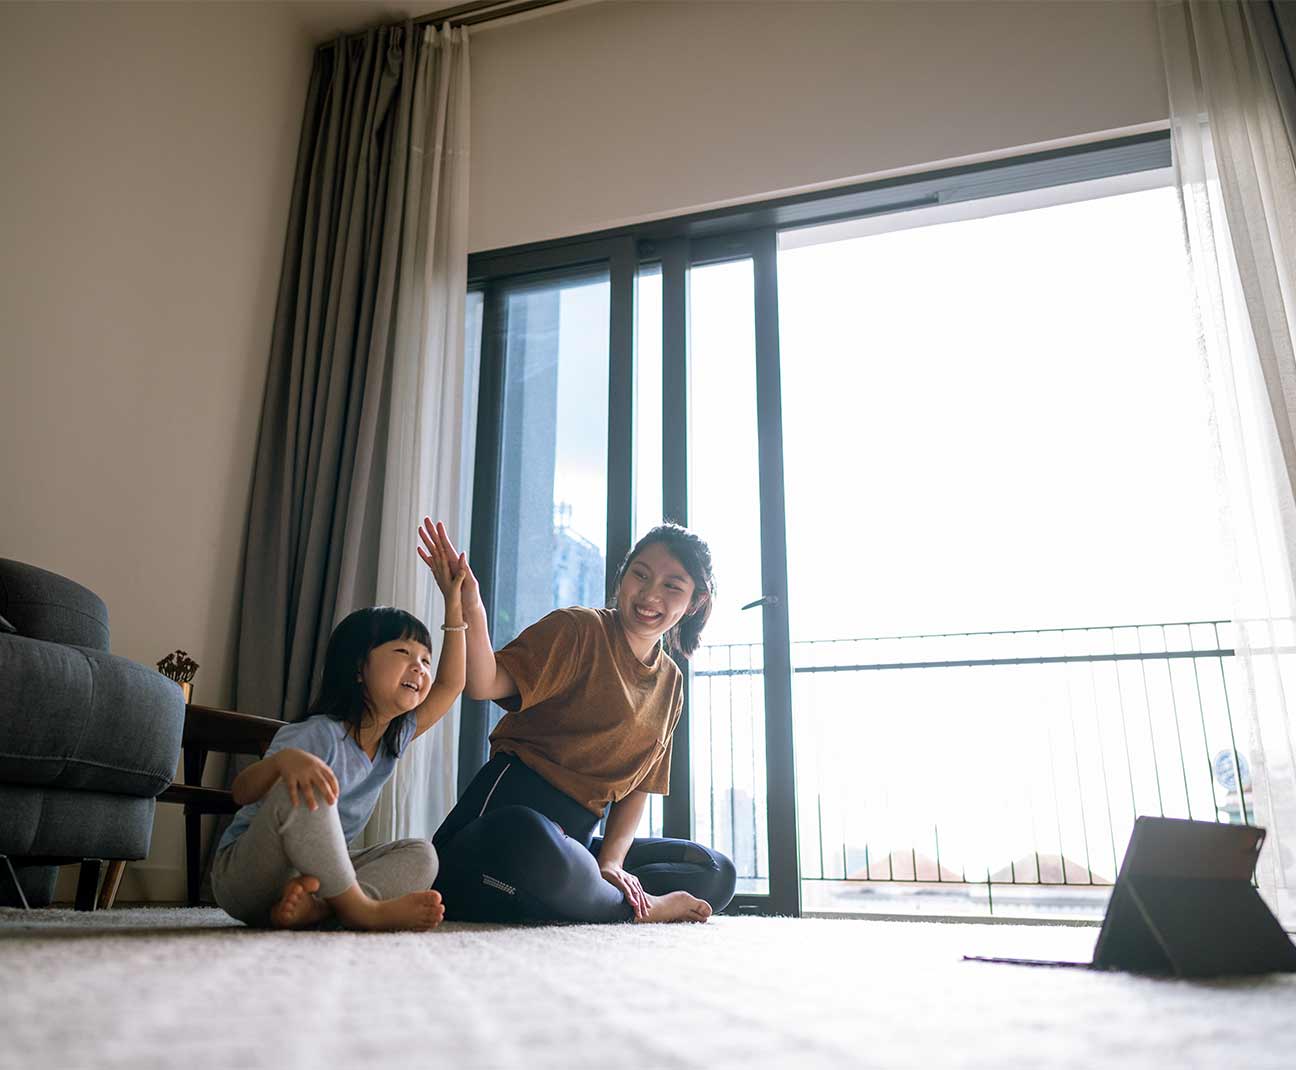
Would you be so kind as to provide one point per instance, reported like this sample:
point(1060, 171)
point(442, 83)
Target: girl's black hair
point(694, 554)
point(341, 694)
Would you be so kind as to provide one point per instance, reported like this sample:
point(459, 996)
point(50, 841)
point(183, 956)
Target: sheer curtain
point(1231, 101)
point(429, 446)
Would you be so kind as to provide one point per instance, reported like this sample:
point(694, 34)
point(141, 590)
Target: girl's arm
point(484, 678)
point(618, 834)
point(304, 774)
point(449, 682)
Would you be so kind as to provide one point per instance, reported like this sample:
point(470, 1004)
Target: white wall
point(623, 111)
point(146, 174)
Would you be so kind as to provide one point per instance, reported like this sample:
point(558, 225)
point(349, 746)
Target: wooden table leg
point(88, 883)
point(111, 882)
point(195, 761)
point(193, 852)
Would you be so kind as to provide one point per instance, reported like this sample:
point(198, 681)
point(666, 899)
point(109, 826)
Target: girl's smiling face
point(397, 676)
point(655, 594)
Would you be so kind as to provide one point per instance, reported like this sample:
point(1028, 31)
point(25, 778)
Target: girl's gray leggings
point(285, 841)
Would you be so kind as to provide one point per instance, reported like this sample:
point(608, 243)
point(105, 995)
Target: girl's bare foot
point(418, 911)
point(298, 907)
point(676, 906)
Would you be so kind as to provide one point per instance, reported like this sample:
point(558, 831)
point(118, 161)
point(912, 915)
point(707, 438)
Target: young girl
point(593, 700)
point(284, 860)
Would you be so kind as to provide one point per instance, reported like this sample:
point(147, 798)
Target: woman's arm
point(303, 775)
point(484, 678)
point(618, 834)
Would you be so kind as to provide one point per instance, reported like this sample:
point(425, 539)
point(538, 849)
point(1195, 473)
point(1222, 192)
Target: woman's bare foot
point(417, 911)
point(676, 906)
point(298, 907)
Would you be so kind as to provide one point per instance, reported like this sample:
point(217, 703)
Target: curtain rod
point(478, 11)
point(473, 13)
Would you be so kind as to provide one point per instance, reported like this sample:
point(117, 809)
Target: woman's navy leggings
point(515, 848)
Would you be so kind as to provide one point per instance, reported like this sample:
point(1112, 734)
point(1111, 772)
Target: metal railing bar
point(1102, 760)
point(1237, 765)
point(1201, 713)
point(1174, 710)
point(973, 663)
point(733, 799)
point(751, 706)
point(1147, 705)
point(819, 778)
point(1057, 805)
point(1080, 792)
point(711, 795)
point(1129, 765)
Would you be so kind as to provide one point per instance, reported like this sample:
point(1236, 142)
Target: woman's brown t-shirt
point(589, 716)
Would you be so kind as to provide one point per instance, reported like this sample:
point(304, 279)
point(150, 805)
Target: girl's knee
point(423, 859)
point(279, 801)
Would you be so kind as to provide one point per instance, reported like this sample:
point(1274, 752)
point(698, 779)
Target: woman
point(593, 700)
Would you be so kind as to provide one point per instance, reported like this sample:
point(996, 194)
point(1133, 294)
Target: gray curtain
point(318, 481)
point(1275, 23)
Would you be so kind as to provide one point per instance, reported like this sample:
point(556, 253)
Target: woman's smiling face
point(655, 593)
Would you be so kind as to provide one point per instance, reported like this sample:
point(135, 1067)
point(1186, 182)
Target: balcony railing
point(969, 762)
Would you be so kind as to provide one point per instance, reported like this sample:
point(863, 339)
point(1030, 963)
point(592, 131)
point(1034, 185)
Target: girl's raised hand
point(448, 565)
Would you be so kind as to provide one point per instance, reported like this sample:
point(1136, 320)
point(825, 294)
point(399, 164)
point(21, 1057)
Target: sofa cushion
point(77, 718)
point(45, 605)
point(47, 823)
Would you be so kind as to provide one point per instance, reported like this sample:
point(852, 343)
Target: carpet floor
point(153, 987)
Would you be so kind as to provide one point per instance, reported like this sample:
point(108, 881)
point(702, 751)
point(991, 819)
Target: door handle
point(764, 600)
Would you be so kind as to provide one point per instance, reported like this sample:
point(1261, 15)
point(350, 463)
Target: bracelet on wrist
point(454, 627)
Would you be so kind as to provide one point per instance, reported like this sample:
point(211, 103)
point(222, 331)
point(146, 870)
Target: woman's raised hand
point(449, 566)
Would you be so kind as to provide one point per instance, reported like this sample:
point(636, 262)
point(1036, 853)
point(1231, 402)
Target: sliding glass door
point(639, 376)
point(739, 694)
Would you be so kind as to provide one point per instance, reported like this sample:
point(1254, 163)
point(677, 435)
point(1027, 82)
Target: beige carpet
point(144, 988)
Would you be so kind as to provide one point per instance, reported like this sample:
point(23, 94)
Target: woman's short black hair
point(694, 554)
point(341, 694)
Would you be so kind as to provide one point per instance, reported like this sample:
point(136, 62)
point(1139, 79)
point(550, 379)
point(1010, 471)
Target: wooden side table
point(208, 728)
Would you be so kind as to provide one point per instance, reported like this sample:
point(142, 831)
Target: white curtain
point(1231, 99)
point(433, 402)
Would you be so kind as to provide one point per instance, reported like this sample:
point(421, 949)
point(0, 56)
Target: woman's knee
point(724, 881)
point(523, 847)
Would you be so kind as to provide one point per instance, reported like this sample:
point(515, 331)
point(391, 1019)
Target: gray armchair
point(87, 741)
